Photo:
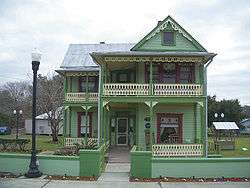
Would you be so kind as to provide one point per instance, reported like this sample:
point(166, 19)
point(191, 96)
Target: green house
point(151, 94)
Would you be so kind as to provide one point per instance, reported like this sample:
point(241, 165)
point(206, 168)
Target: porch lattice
point(177, 150)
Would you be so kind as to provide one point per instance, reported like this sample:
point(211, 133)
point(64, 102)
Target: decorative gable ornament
point(173, 26)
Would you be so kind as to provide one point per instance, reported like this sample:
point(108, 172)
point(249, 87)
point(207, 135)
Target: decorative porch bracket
point(86, 107)
point(149, 103)
point(105, 103)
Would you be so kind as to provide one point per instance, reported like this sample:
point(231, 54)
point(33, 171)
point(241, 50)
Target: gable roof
point(78, 56)
point(175, 26)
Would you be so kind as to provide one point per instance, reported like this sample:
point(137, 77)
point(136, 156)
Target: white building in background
point(42, 125)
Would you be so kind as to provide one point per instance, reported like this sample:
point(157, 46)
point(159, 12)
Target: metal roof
point(78, 58)
point(225, 125)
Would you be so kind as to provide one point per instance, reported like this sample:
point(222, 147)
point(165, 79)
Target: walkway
point(42, 183)
point(119, 154)
point(118, 166)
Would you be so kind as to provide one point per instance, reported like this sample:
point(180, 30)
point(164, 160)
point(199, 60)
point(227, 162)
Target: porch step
point(114, 177)
point(118, 154)
point(117, 167)
point(116, 172)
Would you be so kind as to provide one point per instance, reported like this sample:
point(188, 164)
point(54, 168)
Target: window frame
point(80, 89)
point(180, 125)
point(177, 74)
point(79, 114)
point(174, 38)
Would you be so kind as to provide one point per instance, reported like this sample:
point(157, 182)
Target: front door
point(122, 131)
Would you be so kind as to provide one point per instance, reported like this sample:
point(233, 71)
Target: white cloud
point(220, 26)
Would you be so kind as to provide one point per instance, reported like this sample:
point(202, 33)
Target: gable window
point(92, 84)
point(168, 38)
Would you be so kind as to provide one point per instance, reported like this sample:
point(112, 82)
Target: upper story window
point(92, 84)
point(123, 76)
point(171, 73)
point(186, 74)
point(168, 38)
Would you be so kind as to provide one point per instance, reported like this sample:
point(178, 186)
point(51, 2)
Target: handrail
point(134, 89)
point(81, 97)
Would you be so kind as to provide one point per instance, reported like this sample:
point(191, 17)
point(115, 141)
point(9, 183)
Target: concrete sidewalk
point(42, 183)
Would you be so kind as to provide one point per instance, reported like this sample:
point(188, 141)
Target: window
point(169, 73)
point(186, 74)
point(82, 124)
point(169, 128)
point(156, 73)
point(92, 84)
point(168, 38)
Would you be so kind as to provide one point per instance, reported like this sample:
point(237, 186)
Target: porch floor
point(119, 154)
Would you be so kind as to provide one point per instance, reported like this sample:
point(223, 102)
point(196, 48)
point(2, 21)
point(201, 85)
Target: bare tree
point(15, 96)
point(50, 99)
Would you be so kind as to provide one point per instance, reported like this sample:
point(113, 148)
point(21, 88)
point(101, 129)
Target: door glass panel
point(122, 126)
point(122, 139)
point(122, 131)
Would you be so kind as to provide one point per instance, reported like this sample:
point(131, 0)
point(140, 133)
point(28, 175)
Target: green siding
point(74, 123)
point(188, 119)
point(201, 167)
point(189, 122)
point(155, 44)
point(95, 124)
point(140, 165)
point(52, 165)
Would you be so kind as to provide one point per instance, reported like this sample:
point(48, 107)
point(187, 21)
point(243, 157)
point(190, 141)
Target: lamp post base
point(33, 173)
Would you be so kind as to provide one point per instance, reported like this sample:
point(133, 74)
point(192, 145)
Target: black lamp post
point(33, 167)
point(16, 114)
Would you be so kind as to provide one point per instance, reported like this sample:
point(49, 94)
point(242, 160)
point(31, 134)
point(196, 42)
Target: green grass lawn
point(43, 142)
point(241, 142)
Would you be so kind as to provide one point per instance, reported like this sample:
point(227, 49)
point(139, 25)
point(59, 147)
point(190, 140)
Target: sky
point(222, 27)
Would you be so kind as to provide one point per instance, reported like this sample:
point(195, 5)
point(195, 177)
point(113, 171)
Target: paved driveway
point(42, 183)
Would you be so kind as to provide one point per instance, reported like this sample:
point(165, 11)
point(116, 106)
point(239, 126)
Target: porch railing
point(72, 141)
point(81, 97)
point(119, 89)
point(177, 150)
point(177, 89)
point(126, 89)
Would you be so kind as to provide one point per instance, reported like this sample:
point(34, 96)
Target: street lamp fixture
point(33, 167)
point(216, 115)
point(17, 115)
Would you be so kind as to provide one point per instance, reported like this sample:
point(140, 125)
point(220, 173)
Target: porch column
point(65, 86)
point(104, 123)
point(68, 122)
point(151, 79)
point(86, 124)
point(100, 105)
point(198, 123)
point(86, 112)
point(151, 123)
point(64, 122)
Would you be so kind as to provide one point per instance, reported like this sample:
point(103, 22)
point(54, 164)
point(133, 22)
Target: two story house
point(114, 92)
